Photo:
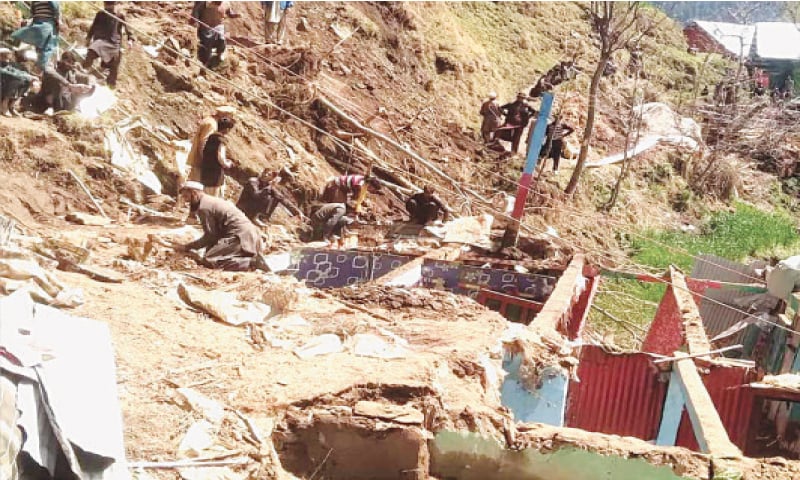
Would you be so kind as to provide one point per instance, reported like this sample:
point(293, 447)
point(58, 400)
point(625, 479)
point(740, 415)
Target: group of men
point(518, 115)
point(231, 238)
point(209, 17)
point(63, 83)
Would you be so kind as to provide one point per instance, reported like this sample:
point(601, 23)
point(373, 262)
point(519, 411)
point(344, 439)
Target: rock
point(86, 219)
point(302, 25)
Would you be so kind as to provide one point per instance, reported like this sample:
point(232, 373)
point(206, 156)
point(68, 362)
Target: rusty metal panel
point(620, 394)
point(711, 267)
point(718, 318)
point(727, 387)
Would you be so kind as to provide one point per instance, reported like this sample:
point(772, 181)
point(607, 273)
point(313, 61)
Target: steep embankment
point(416, 72)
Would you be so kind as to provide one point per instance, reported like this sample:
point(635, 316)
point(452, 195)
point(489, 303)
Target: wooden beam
point(694, 331)
point(380, 136)
point(558, 304)
point(708, 427)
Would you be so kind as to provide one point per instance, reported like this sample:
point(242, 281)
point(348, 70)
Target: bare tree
point(633, 128)
point(616, 24)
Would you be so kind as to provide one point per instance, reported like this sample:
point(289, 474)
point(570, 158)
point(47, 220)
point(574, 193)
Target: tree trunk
point(587, 131)
point(626, 161)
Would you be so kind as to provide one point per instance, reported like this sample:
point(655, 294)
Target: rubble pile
point(422, 300)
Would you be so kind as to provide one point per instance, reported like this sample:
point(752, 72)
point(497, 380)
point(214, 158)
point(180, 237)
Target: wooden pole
point(91, 197)
point(534, 147)
point(391, 142)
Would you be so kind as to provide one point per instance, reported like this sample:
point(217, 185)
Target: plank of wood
point(707, 425)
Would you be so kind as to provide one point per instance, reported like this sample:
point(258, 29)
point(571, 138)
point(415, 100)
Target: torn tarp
point(124, 157)
point(66, 397)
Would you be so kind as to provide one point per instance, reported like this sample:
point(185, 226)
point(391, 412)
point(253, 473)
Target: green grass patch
point(745, 232)
point(736, 235)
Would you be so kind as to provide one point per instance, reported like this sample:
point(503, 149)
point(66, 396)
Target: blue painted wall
point(546, 404)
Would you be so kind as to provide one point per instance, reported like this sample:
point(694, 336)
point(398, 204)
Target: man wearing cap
point(492, 117)
point(518, 115)
point(230, 240)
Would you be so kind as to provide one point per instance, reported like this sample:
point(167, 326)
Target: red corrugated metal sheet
point(666, 332)
point(580, 309)
point(617, 394)
point(734, 403)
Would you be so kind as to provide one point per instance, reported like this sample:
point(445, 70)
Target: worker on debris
point(518, 115)
point(788, 87)
point(42, 32)
point(556, 132)
point(425, 207)
point(205, 128)
point(104, 41)
point(329, 219)
point(62, 89)
point(492, 118)
point(341, 189)
point(230, 240)
point(259, 197)
point(15, 81)
point(209, 17)
point(275, 20)
point(215, 159)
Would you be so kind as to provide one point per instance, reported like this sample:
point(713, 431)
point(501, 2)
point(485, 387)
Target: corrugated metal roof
point(715, 312)
point(617, 394)
point(728, 388)
point(711, 267)
point(777, 41)
point(736, 38)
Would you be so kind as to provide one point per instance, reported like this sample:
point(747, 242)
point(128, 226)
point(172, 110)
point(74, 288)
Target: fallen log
point(381, 136)
point(88, 193)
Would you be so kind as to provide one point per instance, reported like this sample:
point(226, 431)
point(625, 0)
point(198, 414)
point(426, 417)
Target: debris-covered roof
point(777, 41)
point(735, 38)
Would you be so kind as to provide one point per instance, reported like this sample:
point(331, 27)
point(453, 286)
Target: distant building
point(729, 39)
point(771, 46)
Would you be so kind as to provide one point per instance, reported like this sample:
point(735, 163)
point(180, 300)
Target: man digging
point(230, 239)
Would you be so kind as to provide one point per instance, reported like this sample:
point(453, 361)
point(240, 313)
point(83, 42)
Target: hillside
point(416, 71)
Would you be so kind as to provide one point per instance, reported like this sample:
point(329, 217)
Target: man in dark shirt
point(518, 115)
point(15, 82)
point(259, 197)
point(230, 240)
point(215, 160)
point(556, 133)
point(425, 207)
point(104, 40)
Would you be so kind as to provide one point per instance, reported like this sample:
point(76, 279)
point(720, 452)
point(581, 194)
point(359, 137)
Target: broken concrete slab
point(224, 306)
point(211, 410)
point(320, 345)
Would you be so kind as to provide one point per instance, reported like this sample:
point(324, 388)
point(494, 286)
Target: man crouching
point(231, 241)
